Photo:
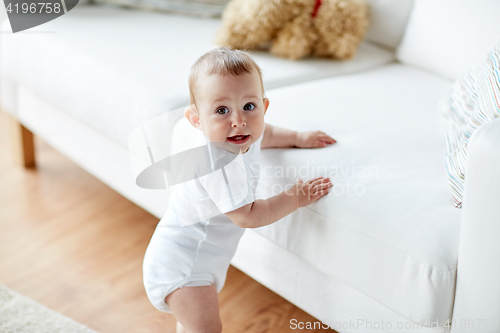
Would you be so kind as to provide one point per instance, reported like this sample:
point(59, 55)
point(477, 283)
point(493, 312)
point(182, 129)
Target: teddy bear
point(295, 28)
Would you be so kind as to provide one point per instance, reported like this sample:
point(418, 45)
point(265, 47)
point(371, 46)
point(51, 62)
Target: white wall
point(3, 13)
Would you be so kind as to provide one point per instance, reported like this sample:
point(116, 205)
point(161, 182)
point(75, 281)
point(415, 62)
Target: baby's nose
point(238, 120)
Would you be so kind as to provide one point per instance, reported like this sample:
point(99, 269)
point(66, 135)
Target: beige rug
point(20, 314)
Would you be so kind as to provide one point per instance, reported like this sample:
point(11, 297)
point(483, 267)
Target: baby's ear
point(266, 104)
point(192, 116)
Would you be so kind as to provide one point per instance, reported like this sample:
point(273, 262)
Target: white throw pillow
point(388, 19)
point(450, 36)
point(473, 101)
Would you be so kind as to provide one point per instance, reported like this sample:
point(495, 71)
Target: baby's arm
point(277, 137)
point(263, 212)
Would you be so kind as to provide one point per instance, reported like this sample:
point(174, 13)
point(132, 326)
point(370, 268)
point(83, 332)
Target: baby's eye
point(222, 110)
point(249, 106)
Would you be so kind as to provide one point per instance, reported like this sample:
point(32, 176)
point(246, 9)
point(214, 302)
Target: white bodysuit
point(194, 242)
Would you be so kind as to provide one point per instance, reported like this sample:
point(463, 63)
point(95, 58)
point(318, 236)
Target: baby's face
point(231, 108)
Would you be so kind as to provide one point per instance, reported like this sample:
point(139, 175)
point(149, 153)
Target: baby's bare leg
point(196, 309)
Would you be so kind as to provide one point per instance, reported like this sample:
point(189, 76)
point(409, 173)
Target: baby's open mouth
point(238, 139)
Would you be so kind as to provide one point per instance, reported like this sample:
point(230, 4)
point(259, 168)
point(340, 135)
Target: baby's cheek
point(261, 128)
point(216, 132)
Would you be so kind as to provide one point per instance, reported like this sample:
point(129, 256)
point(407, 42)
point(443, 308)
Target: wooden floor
point(71, 243)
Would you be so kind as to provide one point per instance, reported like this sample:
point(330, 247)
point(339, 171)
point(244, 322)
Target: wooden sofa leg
point(22, 144)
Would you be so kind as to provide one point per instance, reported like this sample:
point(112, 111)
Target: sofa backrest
point(450, 36)
point(388, 19)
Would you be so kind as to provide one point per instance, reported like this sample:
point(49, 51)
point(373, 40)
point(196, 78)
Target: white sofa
point(382, 249)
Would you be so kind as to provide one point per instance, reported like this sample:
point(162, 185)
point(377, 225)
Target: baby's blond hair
point(224, 61)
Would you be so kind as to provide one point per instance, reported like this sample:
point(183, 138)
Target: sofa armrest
point(477, 294)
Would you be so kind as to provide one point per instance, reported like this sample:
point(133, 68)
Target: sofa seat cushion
point(115, 68)
point(388, 227)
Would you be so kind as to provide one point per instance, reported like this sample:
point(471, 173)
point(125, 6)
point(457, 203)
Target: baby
point(228, 105)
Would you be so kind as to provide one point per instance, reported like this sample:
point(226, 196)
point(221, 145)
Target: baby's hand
point(315, 139)
point(310, 191)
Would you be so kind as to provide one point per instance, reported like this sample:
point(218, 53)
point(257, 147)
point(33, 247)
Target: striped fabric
point(204, 8)
point(473, 101)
